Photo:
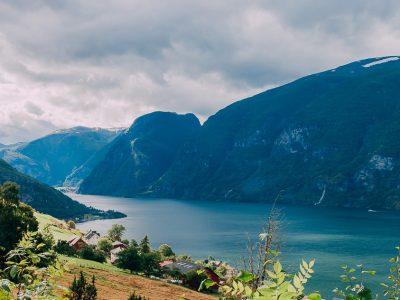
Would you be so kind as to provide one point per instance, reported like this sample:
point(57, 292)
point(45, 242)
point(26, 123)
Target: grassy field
point(57, 228)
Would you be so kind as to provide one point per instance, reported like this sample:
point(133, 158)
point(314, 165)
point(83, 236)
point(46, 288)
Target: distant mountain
point(331, 138)
point(52, 159)
point(48, 200)
point(141, 154)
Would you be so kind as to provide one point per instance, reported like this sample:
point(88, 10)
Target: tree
point(88, 252)
point(133, 243)
point(116, 232)
point(63, 247)
point(16, 218)
point(82, 290)
point(144, 246)
point(105, 245)
point(9, 191)
point(150, 263)
point(71, 224)
point(166, 251)
point(129, 259)
point(133, 296)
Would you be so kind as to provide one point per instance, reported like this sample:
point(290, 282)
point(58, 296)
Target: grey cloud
point(103, 63)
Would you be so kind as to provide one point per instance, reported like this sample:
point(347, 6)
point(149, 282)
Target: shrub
point(16, 218)
point(31, 268)
point(90, 253)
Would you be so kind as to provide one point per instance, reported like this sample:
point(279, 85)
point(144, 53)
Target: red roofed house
point(77, 243)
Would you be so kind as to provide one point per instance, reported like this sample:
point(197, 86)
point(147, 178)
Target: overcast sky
point(103, 63)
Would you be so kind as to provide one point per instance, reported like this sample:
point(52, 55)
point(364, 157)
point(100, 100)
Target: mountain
point(48, 200)
point(141, 154)
point(331, 138)
point(51, 159)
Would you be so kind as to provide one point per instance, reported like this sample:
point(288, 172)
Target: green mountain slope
point(141, 154)
point(331, 138)
point(46, 199)
point(53, 158)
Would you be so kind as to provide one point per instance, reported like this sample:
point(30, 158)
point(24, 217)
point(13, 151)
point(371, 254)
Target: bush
point(16, 218)
point(62, 247)
point(90, 253)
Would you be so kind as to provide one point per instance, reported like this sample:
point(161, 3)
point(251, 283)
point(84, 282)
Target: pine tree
point(145, 245)
point(90, 291)
point(81, 290)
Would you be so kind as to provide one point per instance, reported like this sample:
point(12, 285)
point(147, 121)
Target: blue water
point(333, 237)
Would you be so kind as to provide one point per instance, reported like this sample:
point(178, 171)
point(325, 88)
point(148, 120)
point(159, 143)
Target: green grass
point(89, 264)
point(57, 228)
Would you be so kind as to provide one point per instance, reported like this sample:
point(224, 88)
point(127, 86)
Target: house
point(165, 263)
point(117, 247)
point(118, 244)
point(77, 243)
point(92, 237)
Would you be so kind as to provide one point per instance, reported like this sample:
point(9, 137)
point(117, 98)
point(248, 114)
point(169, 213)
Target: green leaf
point(277, 267)
point(14, 271)
point(314, 296)
point(245, 277)
point(206, 283)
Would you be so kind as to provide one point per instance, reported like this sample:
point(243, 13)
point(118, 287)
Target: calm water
point(332, 236)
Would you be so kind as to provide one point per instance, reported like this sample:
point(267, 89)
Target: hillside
point(46, 199)
point(140, 155)
point(114, 284)
point(108, 277)
point(51, 159)
point(330, 138)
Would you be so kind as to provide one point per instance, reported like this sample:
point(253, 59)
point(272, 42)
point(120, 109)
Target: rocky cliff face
point(332, 138)
point(141, 154)
point(53, 158)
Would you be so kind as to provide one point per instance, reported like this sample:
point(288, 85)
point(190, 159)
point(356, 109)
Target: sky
point(103, 63)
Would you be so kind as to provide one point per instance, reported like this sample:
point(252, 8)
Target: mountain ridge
point(331, 133)
point(52, 158)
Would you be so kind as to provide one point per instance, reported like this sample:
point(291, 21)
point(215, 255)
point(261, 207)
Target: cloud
point(104, 63)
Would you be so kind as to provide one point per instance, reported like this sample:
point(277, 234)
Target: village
point(167, 266)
